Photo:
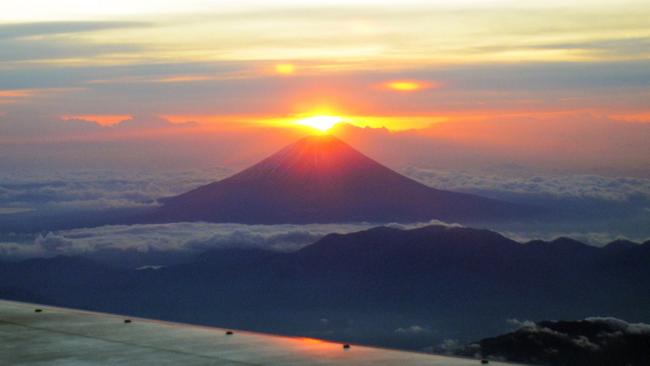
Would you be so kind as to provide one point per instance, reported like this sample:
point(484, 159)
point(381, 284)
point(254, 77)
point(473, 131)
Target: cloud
point(524, 181)
point(570, 342)
point(19, 126)
point(242, 87)
point(12, 250)
point(412, 330)
point(39, 49)
point(43, 41)
point(575, 334)
point(521, 324)
point(30, 192)
point(29, 29)
point(611, 47)
point(611, 327)
point(54, 40)
point(546, 116)
point(34, 76)
point(14, 210)
point(95, 189)
point(188, 237)
point(622, 326)
point(448, 346)
point(536, 329)
point(149, 267)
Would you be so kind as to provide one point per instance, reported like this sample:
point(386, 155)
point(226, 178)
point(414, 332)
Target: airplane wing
point(44, 335)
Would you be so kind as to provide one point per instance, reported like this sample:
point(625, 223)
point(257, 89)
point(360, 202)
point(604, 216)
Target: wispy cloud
point(12, 96)
point(412, 330)
point(31, 29)
point(57, 49)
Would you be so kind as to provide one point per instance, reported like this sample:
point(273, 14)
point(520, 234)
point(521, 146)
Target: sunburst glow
point(322, 123)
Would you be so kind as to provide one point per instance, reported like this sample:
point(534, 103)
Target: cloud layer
point(31, 189)
point(518, 180)
point(176, 237)
point(35, 194)
point(95, 189)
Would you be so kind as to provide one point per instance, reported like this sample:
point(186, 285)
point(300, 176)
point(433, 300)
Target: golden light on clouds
point(320, 119)
point(285, 69)
point(16, 93)
point(101, 119)
point(9, 96)
point(407, 85)
point(633, 116)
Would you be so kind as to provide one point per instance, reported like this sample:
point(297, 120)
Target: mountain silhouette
point(321, 179)
point(464, 282)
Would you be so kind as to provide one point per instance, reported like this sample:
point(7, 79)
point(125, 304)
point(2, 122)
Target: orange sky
point(478, 73)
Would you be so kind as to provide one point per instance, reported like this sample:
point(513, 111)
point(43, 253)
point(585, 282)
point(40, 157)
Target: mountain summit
point(321, 179)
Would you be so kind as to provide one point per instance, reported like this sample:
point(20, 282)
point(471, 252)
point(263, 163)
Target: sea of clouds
point(23, 192)
point(98, 189)
point(588, 186)
point(28, 190)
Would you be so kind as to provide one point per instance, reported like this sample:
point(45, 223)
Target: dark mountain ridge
point(462, 282)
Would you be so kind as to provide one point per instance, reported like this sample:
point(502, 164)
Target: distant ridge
point(321, 179)
point(465, 281)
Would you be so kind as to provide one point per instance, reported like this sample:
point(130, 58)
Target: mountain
point(321, 179)
point(444, 282)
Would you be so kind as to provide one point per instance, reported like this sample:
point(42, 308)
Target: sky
point(553, 83)
point(113, 104)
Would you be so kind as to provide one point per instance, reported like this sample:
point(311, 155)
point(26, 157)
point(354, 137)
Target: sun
point(321, 123)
